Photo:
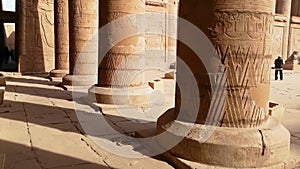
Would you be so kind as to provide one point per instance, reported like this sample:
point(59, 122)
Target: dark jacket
point(278, 63)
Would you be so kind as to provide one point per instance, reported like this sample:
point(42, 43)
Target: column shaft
point(241, 32)
point(126, 58)
point(61, 24)
point(21, 32)
point(121, 68)
point(83, 24)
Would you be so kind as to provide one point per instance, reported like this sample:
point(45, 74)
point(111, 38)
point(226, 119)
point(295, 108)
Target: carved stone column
point(83, 24)
point(120, 76)
point(240, 135)
point(61, 24)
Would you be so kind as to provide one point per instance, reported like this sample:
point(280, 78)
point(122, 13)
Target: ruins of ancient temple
point(219, 53)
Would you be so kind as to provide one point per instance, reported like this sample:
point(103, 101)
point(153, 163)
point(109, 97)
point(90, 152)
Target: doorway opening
point(8, 57)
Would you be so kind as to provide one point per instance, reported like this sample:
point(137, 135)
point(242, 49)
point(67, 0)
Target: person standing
point(279, 68)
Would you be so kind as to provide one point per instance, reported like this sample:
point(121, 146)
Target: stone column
point(61, 24)
point(83, 25)
point(120, 76)
point(21, 32)
point(240, 135)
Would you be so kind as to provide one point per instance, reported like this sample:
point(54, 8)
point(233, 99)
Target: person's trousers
point(280, 74)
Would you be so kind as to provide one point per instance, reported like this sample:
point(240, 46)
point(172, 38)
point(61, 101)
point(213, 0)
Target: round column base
point(120, 96)
point(58, 73)
point(259, 147)
point(79, 80)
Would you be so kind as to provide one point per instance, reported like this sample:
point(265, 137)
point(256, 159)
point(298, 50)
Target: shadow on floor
point(17, 156)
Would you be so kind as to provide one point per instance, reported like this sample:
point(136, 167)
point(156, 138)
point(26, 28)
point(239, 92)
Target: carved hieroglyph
point(241, 33)
point(37, 41)
point(242, 39)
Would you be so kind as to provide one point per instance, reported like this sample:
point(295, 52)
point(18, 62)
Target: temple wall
point(295, 35)
point(39, 37)
point(278, 40)
point(156, 44)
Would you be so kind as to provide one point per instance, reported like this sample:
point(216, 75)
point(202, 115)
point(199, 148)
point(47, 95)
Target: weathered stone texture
point(156, 44)
point(173, 7)
point(121, 65)
point(280, 42)
point(83, 20)
point(241, 33)
point(277, 42)
point(83, 24)
point(38, 42)
point(161, 49)
point(61, 18)
point(295, 35)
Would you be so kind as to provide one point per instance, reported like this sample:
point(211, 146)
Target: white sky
point(9, 5)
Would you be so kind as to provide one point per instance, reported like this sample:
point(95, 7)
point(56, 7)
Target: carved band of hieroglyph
point(238, 25)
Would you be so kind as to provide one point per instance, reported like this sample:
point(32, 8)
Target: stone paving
point(287, 92)
point(39, 128)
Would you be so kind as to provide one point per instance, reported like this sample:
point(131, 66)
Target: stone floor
point(287, 92)
point(39, 130)
point(42, 126)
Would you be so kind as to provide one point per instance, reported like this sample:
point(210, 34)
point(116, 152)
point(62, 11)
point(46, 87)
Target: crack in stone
point(30, 138)
point(95, 151)
point(263, 143)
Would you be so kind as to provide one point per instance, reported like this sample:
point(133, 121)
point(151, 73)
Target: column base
point(120, 96)
point(58, 73)
point(78, 80)
point(260, 147)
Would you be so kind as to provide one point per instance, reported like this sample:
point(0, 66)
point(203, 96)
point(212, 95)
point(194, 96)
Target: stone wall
point(39, 40)
point(277, 41)
point(295, 35)
point(156, 44)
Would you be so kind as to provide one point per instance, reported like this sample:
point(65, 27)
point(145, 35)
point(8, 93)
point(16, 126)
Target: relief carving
point(237, 25)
